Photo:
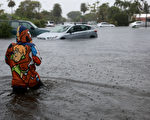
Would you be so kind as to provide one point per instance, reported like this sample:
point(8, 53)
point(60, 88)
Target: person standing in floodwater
point(23, 57)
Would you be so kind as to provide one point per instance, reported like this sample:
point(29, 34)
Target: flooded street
point(107, 78)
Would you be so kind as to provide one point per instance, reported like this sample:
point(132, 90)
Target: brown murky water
point(91, 79)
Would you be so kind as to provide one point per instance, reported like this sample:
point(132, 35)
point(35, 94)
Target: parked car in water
point(50, 24)
point(105, 24)
point(92, 23)
point(139, 24)
point(70, 31)
point(34, 30)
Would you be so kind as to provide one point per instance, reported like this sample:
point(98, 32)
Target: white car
point(70, 31)
point(137, 24)
point(50, 24)
point(105, 24)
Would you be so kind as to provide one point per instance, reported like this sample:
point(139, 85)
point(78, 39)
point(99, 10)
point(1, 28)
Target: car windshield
point(60, 29)
point(105, 23)
point(139, 22)
point(33, 25)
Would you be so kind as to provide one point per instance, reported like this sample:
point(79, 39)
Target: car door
point(14, 25)
point(86, 31)
point(75, 32)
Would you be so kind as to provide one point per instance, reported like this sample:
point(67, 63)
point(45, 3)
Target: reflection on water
point(66, 99)
point(21, 106)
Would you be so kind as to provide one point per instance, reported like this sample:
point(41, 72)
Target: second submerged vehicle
point(70, 31)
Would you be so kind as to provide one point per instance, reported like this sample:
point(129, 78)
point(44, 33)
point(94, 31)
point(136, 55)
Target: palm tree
point(83, 8)
point(57, 11)
point(119, 4)
point(93, 8)
point(11, 4)
point(1, 10)
point(126, 5)
point(97, 4)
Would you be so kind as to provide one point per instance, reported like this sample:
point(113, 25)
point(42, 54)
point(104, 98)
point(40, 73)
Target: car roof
point(16, 20)
point(103, 22)
point(71, 24)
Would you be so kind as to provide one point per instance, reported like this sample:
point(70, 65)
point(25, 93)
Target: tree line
point(31, 10)
point(119, 14)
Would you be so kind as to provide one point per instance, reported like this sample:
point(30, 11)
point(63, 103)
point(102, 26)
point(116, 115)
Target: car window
point(27, 25)
point(85, 27)
point(14, 24)
point(76, 28)
point(105, 23)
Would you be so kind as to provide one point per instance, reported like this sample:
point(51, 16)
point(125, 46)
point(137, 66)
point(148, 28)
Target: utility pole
point(97, 3)
point(145, 8)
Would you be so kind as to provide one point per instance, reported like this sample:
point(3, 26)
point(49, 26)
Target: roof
point(141, 15)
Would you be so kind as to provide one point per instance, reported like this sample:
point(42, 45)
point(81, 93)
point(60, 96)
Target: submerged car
point(34, 30)
point(50, 24)
point(70, 31)
point(105, 24)
point(137, 24)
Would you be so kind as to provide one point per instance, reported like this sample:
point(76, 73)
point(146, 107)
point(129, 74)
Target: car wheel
point(62, 38)
point(134, 26)
point(92, 36)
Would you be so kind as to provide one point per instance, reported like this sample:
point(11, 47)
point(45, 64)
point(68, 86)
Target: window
point(76, 28)
point(27, 25)
point(14, 24)
point(85, 27)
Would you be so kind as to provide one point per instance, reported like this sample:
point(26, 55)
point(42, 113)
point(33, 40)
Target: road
point(107, 78)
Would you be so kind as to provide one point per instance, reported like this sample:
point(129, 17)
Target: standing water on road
point(107, 78)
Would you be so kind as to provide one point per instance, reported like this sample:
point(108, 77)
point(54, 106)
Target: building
point(142, 17)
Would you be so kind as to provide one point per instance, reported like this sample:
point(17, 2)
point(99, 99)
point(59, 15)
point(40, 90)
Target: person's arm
point(9, 55)
point(35, 56)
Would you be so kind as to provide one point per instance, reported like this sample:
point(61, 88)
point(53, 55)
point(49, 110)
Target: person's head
point(23, 35)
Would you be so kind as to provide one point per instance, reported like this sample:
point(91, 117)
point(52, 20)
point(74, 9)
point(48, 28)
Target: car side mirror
point(32, 28)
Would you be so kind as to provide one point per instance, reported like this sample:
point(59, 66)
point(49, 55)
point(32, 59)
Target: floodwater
point(107, 78)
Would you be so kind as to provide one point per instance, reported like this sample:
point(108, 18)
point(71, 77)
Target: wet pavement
point(107, 78)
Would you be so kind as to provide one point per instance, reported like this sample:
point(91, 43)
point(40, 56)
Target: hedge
point(5, 30)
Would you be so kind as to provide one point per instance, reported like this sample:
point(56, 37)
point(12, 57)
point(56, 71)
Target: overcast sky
point(66, 5)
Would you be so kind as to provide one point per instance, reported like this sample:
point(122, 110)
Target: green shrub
point(39, 23)
point(5, 30)
point(122, 19)
point(3, 17)
point(43, 23)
